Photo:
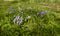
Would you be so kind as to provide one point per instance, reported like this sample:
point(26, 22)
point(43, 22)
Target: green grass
point(39, 25)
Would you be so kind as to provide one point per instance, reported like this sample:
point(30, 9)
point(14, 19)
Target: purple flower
point(21, 20)
point(15, 19)
point(18, 20)
point(42, 13)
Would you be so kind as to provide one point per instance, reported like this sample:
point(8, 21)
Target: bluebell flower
point(21, 20)
point(42, 13)
point(18, 20)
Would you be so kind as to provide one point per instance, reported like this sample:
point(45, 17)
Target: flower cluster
point(18, 20)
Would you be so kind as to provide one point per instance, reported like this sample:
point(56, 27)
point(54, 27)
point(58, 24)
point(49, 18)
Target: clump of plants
point(24, 21)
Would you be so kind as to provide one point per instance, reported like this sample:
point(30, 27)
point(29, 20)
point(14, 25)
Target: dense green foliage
point(37, 24)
